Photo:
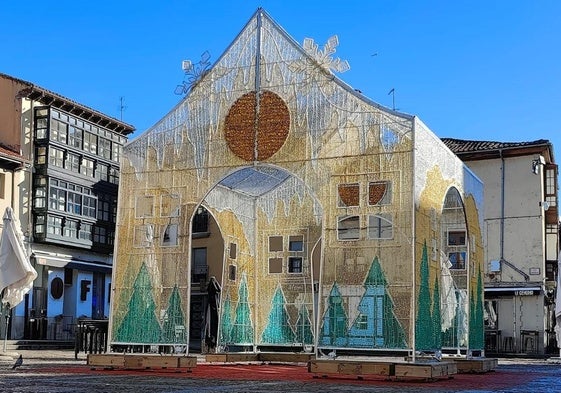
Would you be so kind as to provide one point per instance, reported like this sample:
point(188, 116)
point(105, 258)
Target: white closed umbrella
point(16, 272)
point(558, 305)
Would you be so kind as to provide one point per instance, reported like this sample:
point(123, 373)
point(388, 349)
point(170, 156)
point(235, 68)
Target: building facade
point(66, 203)
point(343, 224)
point(521, 233)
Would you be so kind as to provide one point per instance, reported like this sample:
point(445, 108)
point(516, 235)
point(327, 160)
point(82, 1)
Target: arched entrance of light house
point(270, 224)
point(207, 248)
point(454, 273)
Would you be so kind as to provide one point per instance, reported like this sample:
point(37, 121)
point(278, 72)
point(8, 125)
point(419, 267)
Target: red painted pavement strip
point(495, 380)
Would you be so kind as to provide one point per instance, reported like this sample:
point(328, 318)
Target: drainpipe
point(502, 229)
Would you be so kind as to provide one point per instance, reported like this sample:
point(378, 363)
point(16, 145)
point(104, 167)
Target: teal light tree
point(140, 324)
point(226, 321)
point(436, 316)
point(242, 331)
point(476, 334)
point(278, 329)
point(376, 325)
point(334, 325)
point(304, 332)
point(173, 330)
point(424, 329)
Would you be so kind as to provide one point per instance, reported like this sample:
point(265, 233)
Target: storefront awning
point(72, 264)
point(513, 291)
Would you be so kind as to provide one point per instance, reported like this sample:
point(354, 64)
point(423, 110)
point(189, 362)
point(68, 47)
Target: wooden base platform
point(141, 361)
point(475, 365)
point(465, 365)
point(267, 357)
point(427, 371)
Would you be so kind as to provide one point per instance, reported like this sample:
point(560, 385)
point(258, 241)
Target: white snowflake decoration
point(324, 57)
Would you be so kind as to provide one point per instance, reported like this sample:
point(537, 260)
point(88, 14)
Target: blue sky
point(484, 70)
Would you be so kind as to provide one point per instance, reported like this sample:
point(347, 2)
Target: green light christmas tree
point(334, 326)
point(424, 329)
point(174, 330)
point(140, 324)
point(278, 330)
point(304, 332)
point(242, 331)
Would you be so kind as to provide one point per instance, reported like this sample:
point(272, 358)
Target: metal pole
point(6, 328)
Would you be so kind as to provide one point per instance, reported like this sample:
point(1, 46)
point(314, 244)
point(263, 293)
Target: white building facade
point(521, 241)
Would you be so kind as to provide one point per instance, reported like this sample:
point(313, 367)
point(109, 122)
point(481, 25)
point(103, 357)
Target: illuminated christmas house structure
point(341, 224)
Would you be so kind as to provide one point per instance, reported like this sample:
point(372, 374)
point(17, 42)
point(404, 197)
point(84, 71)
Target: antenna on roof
point(392, 92)
point(122, 106)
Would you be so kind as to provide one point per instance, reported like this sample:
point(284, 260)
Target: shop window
point(349, 195)
point(348, 228)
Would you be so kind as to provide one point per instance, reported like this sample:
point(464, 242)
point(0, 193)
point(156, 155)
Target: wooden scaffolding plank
point(480, 365)
point(350, 367)
point(231, 357)
point(141, 361)
point(425, 370)
point(106, 360)
point(289, 357)
point(150, 361)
